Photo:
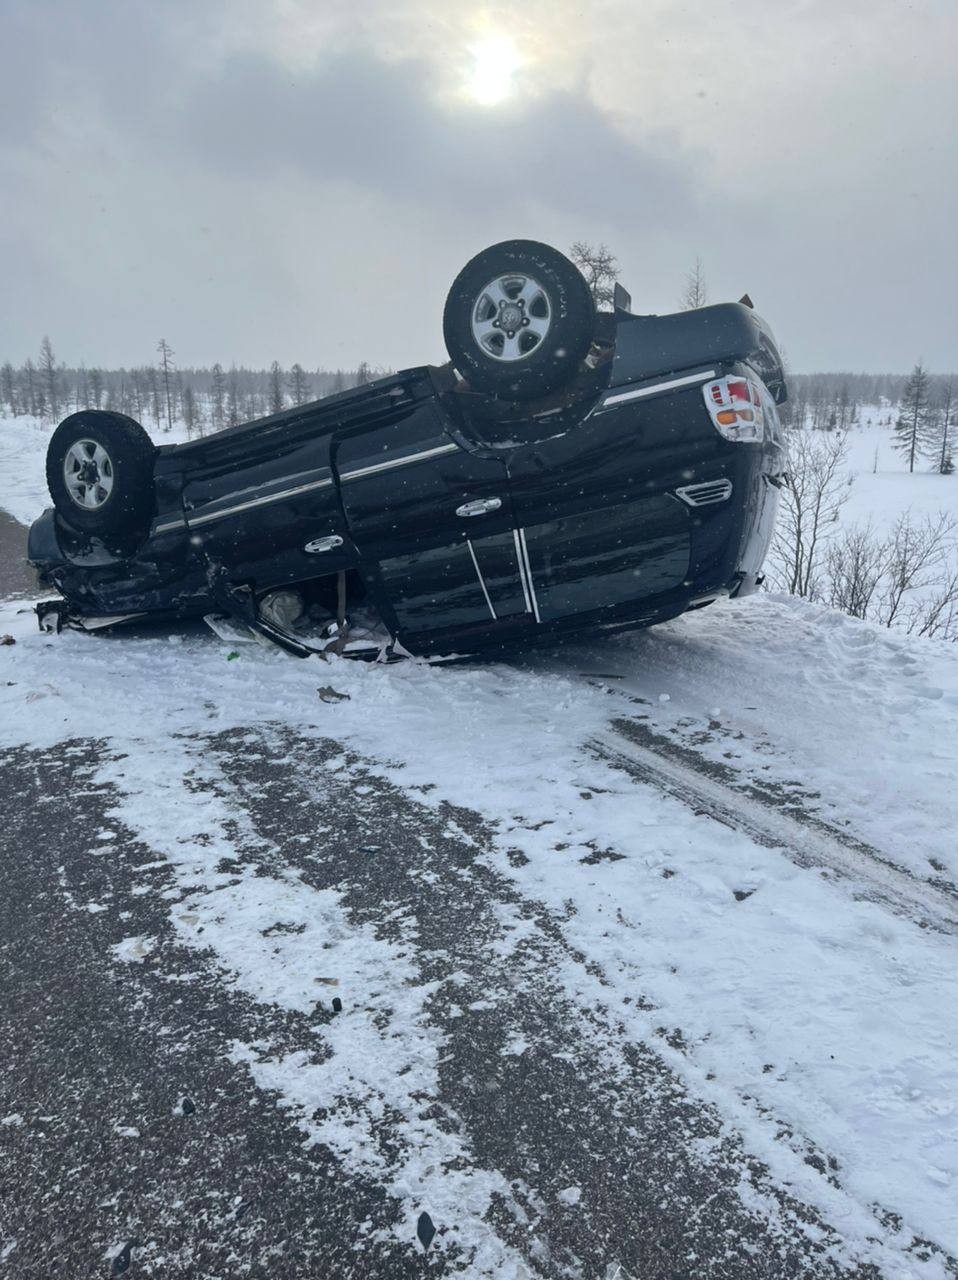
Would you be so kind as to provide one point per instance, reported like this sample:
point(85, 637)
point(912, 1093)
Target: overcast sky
point(295, 180)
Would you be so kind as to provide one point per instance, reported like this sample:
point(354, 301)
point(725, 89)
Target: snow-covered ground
point(882, 487)
point(802, 1007)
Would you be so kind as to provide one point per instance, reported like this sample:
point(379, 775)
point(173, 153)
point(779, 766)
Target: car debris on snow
point(328, 694)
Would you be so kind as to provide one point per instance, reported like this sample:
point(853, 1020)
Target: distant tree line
point(919, 408)
point(203, 399)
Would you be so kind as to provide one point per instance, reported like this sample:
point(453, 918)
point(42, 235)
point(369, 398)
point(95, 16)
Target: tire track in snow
point(775, 820)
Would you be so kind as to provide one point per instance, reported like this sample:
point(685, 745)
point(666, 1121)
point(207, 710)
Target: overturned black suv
point(569, 470)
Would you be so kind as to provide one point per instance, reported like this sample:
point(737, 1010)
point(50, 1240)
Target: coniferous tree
point(166, 372)
point(275, 388)
point(232, 398)
point(842, 408)
point(298, 384)
point(137, 392)
point(49, 378)
point(30, 388)
point(913, 419)
point(188, 403)
point(8, 390)
point(153, 387)
point(218, 397)
point(122, 400)
point(940, 433)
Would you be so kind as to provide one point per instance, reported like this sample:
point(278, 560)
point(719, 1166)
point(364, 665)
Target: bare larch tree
point(298, 384)
point(166, 373)
point(600, 266)
point(809, 511)
point(696, 291)
point(48, 378)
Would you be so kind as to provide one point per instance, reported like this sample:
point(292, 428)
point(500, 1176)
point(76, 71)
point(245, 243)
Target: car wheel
point(519, 319)
point(100, 473)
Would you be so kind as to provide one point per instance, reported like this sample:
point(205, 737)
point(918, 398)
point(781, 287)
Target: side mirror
point(621, 300)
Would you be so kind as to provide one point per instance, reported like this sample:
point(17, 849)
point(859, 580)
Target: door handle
point(480, 507)
point(324, 544)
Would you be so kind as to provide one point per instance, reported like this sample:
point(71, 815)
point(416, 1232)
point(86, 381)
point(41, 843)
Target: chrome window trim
point(191, 519)
point(264, 500)
point(179, 522)
point(622, 396)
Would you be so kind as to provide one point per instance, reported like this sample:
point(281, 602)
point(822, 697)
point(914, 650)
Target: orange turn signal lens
point(727, 417)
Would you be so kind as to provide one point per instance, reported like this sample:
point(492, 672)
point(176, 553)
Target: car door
point(595, 518)
point(265, 506)
point(435, 523)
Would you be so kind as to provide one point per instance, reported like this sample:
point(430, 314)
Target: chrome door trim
point(375, 467)
point(482, 581)
point(525, 573)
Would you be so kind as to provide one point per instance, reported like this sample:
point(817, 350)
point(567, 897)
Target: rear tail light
point(735, 406)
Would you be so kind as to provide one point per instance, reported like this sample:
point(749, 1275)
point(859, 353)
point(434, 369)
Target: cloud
point(307, 178)
point(383, 127)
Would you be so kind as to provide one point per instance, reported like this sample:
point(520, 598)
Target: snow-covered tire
point(519, 319)
point(100, 473)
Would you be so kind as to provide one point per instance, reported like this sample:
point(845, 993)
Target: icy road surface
point(642, 954)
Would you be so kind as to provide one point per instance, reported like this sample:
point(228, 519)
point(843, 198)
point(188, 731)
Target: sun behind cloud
point(491, 77)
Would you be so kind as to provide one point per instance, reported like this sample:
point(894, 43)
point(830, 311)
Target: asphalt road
point(97, 1057)
point(16, 576)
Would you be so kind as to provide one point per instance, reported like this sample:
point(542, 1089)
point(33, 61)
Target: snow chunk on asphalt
point(570, 1195)
point(134, 950)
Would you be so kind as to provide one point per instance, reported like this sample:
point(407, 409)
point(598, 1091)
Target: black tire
point(106, 489)
point(550, 337)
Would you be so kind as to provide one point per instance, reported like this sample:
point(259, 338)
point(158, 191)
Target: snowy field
point(813, 1016)
point(882, 489)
